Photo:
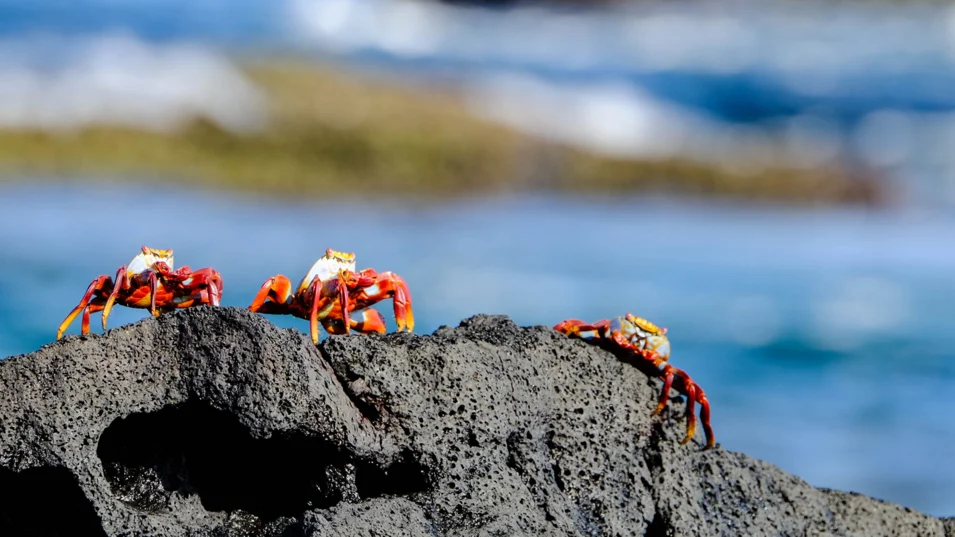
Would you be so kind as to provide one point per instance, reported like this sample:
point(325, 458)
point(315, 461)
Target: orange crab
point(148, 282)
point(331, 291)
point(644, 339)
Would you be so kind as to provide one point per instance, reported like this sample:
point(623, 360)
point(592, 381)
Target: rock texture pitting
point(214, 422)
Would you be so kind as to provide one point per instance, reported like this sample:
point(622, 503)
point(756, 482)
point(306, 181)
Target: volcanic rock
point(214, 422)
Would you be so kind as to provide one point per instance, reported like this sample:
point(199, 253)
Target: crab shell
point(328, 266)
point(644, 335)
point(148, 259)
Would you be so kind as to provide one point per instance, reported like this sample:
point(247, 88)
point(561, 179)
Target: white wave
point(784, 39)
point(62, 84)
point(611, 118)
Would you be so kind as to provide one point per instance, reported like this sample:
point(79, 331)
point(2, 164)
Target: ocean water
point(825, 338)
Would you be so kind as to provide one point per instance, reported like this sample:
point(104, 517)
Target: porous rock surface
point(214, 422)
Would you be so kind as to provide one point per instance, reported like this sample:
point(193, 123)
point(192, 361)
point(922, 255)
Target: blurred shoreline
point(788, 103)
point(295, 128)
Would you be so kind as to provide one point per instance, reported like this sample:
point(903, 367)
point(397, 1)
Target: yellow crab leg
point(97, 284)
point(343, 298)
point(120, 281)
point(313, 315)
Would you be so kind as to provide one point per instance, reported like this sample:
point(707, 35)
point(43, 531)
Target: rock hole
point(657, 527)
point(402, 478)
point(558, 478)
point(195, 449)
point(513, 450)
point(45, 502)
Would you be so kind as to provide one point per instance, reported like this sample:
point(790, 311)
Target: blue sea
point(825, 339)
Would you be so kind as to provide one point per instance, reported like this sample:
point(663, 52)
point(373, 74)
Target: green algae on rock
point(330, 134)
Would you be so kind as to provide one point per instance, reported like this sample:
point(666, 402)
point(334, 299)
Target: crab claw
point(274, 296)
point(215, 292)
point(404, 316)
point(204, 277)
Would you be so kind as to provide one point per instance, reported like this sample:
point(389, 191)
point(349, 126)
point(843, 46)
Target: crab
point(147, 282)
point(331, 291)
point(632, 334)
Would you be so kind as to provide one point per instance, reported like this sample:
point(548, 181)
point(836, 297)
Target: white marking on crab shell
point(146, 261)
point(137, 265)
point(372, 290)
point(325, 268)
point(663, 348)
point(630, 329)
point(635, 335)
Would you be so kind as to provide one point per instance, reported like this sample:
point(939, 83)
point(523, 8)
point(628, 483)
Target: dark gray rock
point(213, 422)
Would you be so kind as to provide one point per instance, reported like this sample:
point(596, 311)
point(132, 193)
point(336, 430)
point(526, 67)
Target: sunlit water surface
point(824, 339)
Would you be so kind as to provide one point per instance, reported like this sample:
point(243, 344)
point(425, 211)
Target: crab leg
point(371, 321)
point(343, 298)
point(98, 285)
point(153, 284)
point(583, 330)
point(315, 288)
point(120, 282)
point(95, 305)
point(667, 373)
point(695, 395)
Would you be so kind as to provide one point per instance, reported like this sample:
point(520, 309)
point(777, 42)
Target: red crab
point(648, 342)
point(148, 282)
point(331, 291)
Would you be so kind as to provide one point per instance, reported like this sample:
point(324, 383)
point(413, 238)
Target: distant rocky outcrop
point(213, 422)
